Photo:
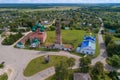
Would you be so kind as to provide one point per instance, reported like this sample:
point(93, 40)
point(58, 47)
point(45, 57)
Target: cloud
point(59, 1)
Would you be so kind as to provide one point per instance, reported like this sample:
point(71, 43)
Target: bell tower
point(58, 32)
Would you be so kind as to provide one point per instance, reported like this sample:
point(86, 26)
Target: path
point(103, 54)
point(19, 58)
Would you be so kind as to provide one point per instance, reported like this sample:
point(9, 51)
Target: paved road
point(19, 58)
point(103, 54)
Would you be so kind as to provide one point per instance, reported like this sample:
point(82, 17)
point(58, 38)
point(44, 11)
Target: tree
point(113, 49)
point(70, 62)
point(85, 61)
point(108, 38)
point(84, 64)
point(115, 59)
point(98, 68)
point(97, 72)
point(61, 71)
point(113, 75)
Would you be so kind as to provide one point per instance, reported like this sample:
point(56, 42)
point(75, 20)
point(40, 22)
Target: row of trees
point(113, 51)
point(11, 39)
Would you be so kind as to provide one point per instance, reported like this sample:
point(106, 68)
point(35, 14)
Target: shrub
point(117, 35)
point(1, 65)
point(11, 39)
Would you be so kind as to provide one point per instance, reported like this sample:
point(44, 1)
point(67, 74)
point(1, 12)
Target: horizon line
point(67, 3)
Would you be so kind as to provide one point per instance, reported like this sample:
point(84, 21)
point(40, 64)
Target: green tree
point(115, 59)
point(61, 71)
point(85, 61)
point(113, 49)
point(70, 62)
point(99, 68)
point(84, 64)
point(113, 75)
point(108, 38)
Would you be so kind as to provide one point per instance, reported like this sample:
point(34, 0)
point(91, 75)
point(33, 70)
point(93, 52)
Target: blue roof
point(88, 41)
point(89, 38)
point(84, 44)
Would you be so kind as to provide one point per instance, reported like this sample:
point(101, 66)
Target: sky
point(59, 1)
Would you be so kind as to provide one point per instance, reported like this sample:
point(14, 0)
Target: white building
point(88, 45)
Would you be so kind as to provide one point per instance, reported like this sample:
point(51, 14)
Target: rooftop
point(82, 76)
point(88, 41)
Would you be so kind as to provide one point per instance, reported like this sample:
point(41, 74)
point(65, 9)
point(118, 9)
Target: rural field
point(39, 9)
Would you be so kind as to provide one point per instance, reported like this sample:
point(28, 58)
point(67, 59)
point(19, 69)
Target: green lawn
point(97, 51)
point(113, 38)
point(73, 37)
point(4, 77)
point(38, 64)
point(116, 39)
point(49, 9)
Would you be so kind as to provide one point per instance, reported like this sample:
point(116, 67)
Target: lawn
point(3, 77)
point(116, 39)
point(73, 37)
point(113, 38)
point(49, 9)
point(97, 51)
point(38, 64)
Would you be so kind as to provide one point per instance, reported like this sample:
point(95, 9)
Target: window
point(87, 52)
point(82, 51)
point(91, 52)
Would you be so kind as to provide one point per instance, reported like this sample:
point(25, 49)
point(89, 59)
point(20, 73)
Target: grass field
point(50, 9)
point(4, 77)
point(40, 9)
point(97, 51)
point(113, 38)
point(38, 64)
point(116, 39)
point(73, 37)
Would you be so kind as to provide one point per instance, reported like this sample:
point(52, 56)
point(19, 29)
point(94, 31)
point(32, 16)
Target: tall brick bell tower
point(58, 42)
point(58, 32)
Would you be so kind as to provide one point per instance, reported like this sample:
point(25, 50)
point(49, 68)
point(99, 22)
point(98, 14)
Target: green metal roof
point(38, 25)
point(35, 40)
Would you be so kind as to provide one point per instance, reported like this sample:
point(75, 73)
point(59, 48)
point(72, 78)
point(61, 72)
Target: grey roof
point(82, 76)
